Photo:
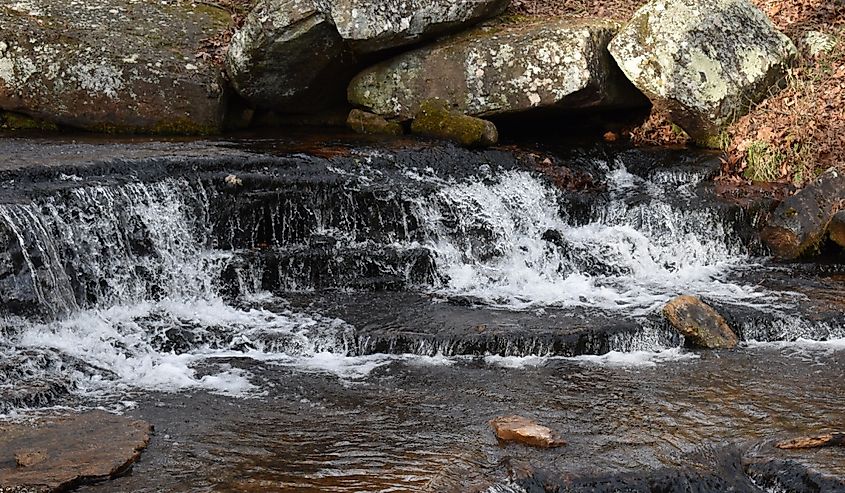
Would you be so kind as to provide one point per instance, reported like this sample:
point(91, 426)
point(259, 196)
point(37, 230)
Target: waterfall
point(138, 285)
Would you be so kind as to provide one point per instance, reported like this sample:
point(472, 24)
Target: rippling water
point(359, 336)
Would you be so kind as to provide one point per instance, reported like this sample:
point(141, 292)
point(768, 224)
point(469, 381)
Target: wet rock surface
point(289, 57)
point(799, 224)
point(699, 323)
point(117, 66)
point(501, 69)
point(705, 61)
point(523, 430)
point(375, 26)
point(58, 453)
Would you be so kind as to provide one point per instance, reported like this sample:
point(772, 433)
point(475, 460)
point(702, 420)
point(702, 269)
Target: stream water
point(351, 322)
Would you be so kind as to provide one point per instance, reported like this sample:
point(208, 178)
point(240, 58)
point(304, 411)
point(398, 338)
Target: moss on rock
point(436, 120)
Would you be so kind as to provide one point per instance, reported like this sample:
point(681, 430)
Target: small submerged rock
point(699, 323)
point(435, 119)
point(57, 453)
point(828, 440)
point(525, 431)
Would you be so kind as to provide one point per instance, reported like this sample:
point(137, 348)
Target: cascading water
point(144, 285)
point(509, 242)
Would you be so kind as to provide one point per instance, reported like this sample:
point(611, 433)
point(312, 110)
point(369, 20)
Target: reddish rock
point(699, 323)
point(58, 453)
point(525, 431)
point(829, 440)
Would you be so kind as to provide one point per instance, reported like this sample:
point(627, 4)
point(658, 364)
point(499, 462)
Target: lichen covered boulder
point(112, 65)
point(503, 69)
point(706, 62)
point(699, 323)
point(800, 222)
point(370, 26)
point(435, 119)
point(289, 57)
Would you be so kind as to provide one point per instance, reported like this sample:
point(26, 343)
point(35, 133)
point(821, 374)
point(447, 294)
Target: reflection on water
point(422, 425)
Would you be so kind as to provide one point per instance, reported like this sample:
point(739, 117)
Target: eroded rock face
point(705, 61)
point(436, 120)
point(60, 452)
point(800, 222)
point(371, 26)
point(699, 323)
point(288, 56)
point(112, 65)
point(525, 431)
point(503, 69)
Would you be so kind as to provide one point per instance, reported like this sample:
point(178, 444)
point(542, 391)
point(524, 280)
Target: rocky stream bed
point(333, 313)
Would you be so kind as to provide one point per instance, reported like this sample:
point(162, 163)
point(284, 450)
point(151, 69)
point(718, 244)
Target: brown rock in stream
point(58, 453)
point(525, 431)
point(372, 124)
point(699, 323)
point(829, 440)
point(837, 229)
point(800, 222)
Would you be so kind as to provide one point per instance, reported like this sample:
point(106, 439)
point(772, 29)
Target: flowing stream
point(350, 324)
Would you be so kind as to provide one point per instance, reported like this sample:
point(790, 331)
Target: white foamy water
point(637, 358)
point(128, 281)
point(157, 346)
point(488, 238)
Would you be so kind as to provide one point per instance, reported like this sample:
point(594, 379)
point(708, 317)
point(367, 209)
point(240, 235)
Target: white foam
point(516, 361)
point(637, 358)
point(632, 257)
point(126, 342)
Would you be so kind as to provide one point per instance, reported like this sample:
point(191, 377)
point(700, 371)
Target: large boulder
point(801, 221)
point(288, 56)
point(706, 62)
point(699, 323)
point(503, 69)
point(371, 26)
point(112, 65)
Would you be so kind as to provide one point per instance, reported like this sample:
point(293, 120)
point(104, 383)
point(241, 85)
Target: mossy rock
point(17, 121)
point(435, 119)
